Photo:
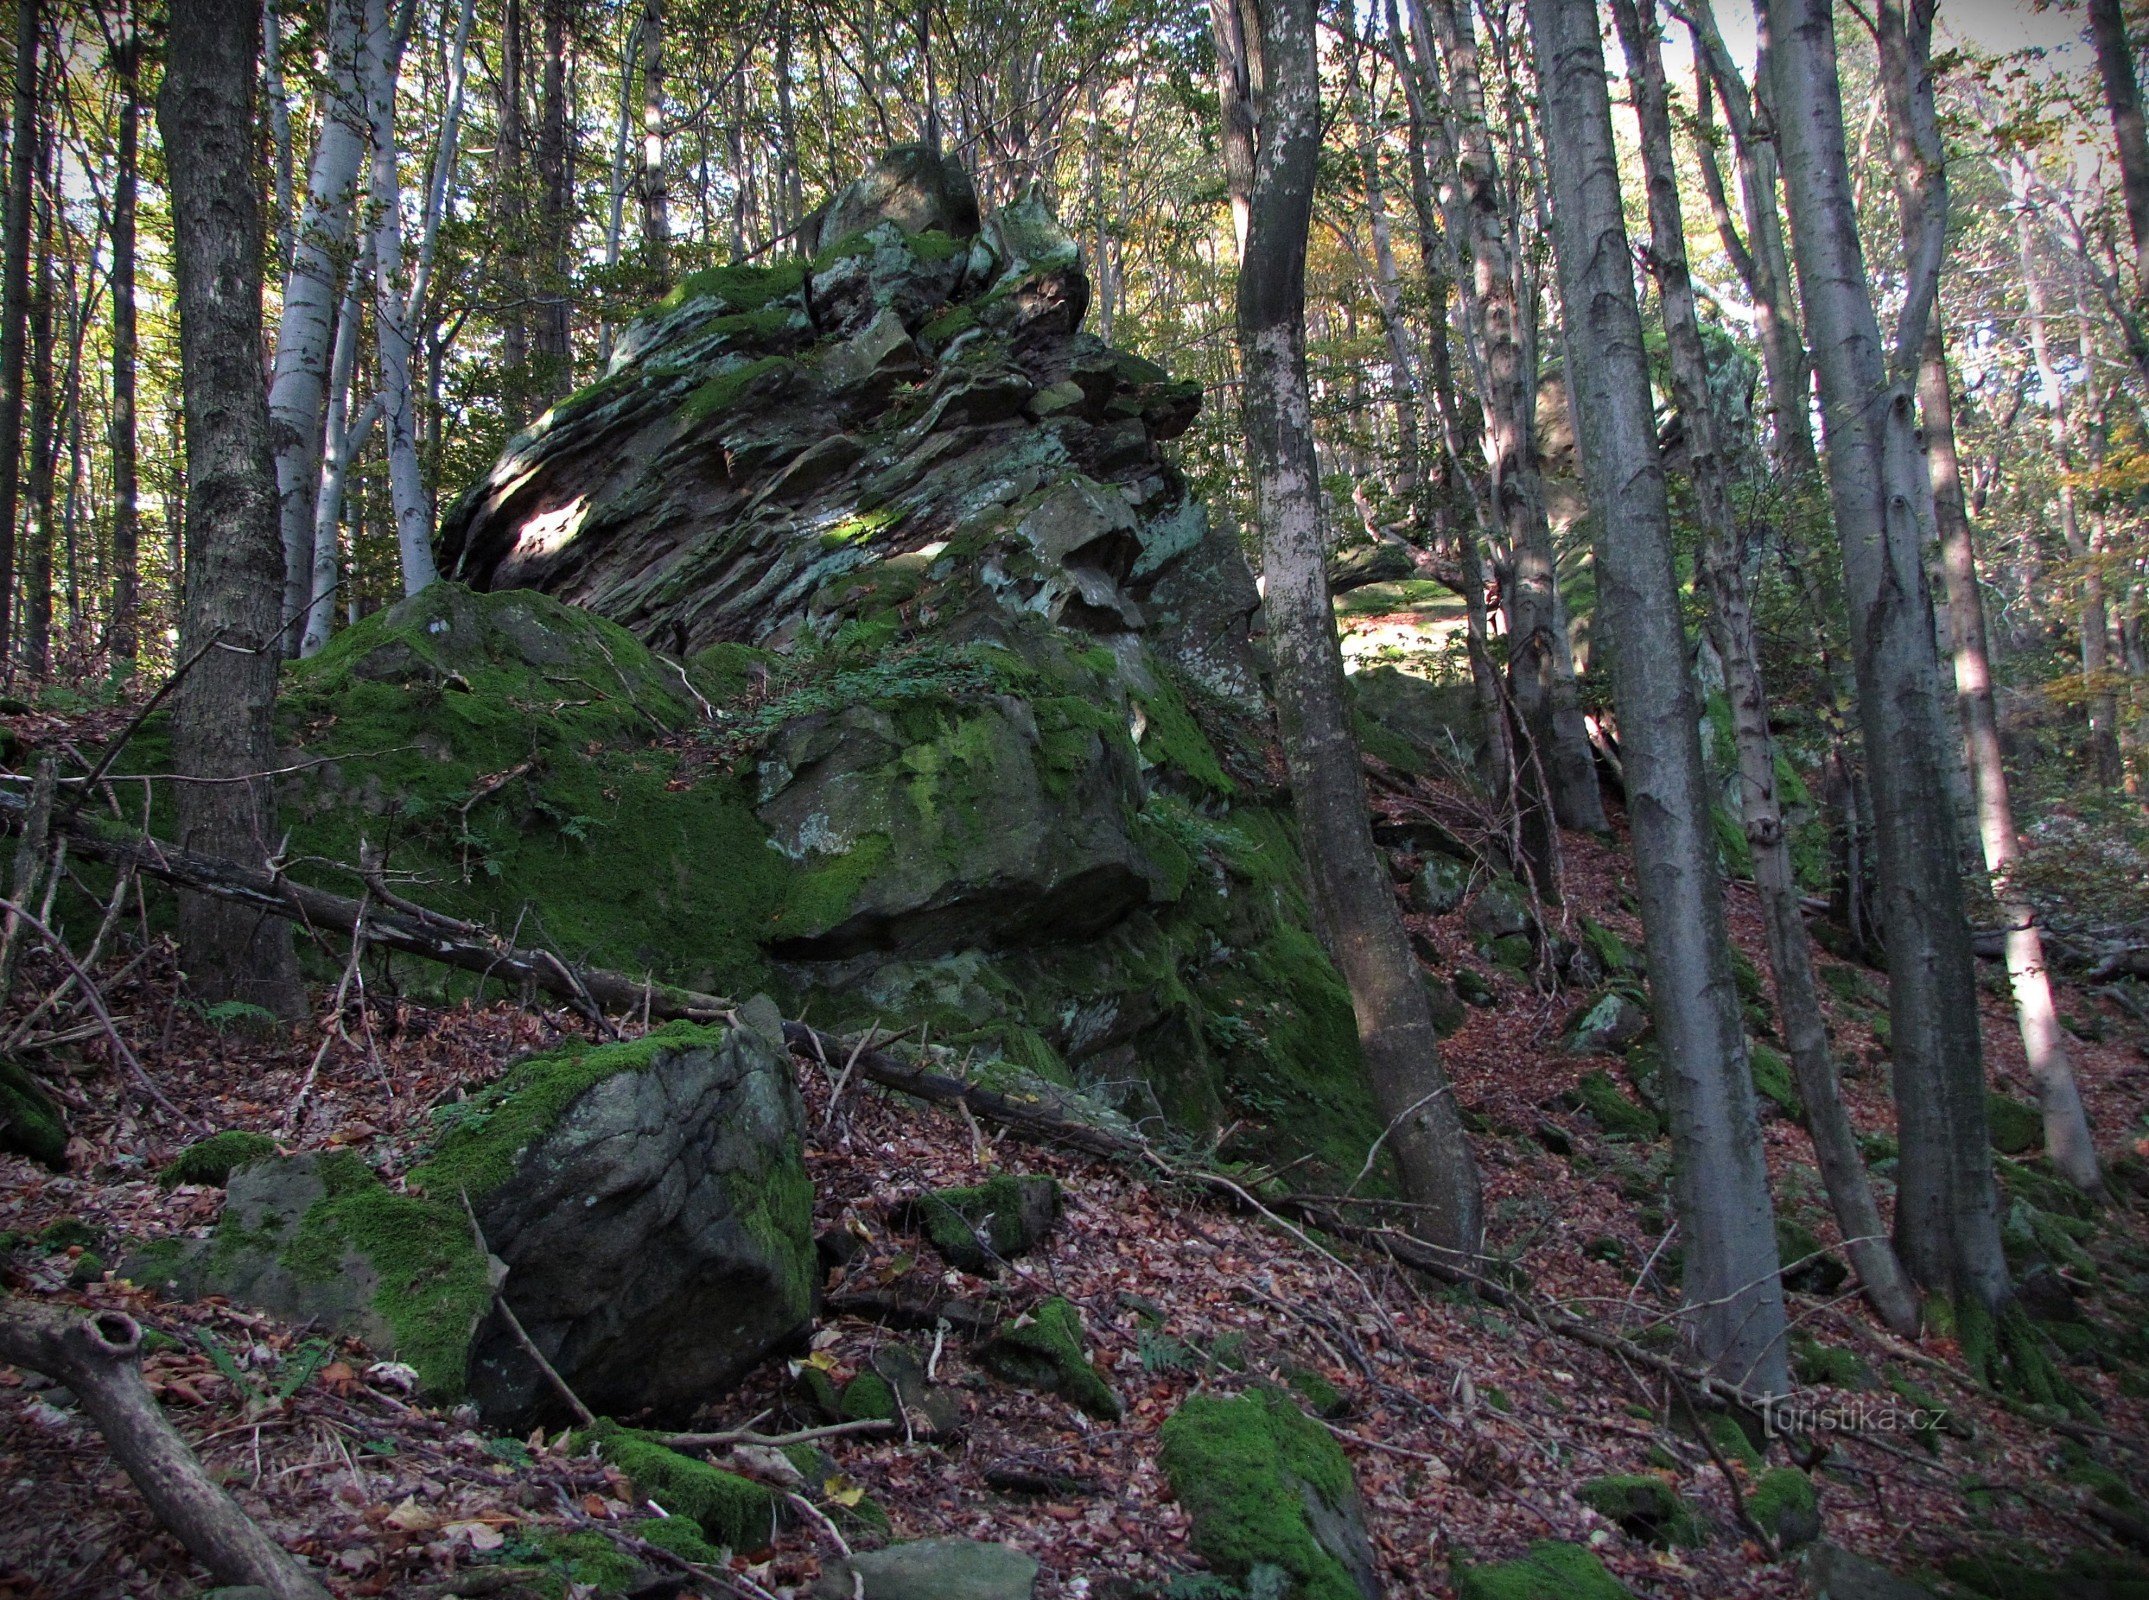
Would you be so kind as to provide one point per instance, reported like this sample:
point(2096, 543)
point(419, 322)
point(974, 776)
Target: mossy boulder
point(732, 1512)
point(1609, 1107)
point(646, 1205)
point(1438, 886)
point(1550, 1571)
point(1809, 1267)
point(1784, 1503)
point(1473, 988)
point(1499, 910)
point(1434, 722)
point(978, 1227)
point(2016, 1129)
point(213, 1160)
point(1263, 1484)
point(1644, 1506)
point(931, 1569)
point(1606, 1025)
point(30, 1120)
point(1773, 1081)
point(1043, 1350)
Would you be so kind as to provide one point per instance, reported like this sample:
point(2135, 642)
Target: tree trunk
point(339, 442)
point(222, 712)
point(1352, 897)
point(555, 173)
point(1549, 733)
point(656, 215)
point(512, 240)
point(123, 639)
point(413, 513)
point(1236, 72)
point(1733, 1294)
point(15, 300)
point(1731, 626)
point(320, 246)
point(1946, 1225)
point(44, 440)
point(2123, 97)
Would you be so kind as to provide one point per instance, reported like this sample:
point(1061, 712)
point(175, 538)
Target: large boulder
point(645, 1205)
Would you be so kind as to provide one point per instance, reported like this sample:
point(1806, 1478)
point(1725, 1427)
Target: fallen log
point(99, 1358)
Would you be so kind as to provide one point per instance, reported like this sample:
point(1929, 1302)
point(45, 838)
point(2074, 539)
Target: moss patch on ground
point(1644, 1506)
point(1609, 1107)
point(1551, 1571)
point(733, 1512)
point(1045, 1353)
point(214, 1159)
point(1243, 1469)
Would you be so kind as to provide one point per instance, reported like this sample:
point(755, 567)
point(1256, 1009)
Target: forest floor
point(1469, 1430)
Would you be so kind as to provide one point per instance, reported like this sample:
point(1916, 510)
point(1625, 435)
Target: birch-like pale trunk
point(656, 207)
point(1731, 627)
point(1353, 901)
point(339, 442)
point(1947, 1221)
point(1720, 1179)
point(320, 247)
point(406, 484)
point(123, 641)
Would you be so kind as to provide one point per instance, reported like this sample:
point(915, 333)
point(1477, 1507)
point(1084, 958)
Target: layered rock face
point(879, 657)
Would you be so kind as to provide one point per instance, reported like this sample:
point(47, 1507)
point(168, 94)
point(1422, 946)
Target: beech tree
point(230, 633)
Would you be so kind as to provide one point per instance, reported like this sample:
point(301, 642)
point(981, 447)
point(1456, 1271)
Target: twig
point(718, 1441)
point(815, 1514)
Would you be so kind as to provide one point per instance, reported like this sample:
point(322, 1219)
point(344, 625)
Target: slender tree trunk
point(1388, 298)
point(1947, 1225)
point(1352, 897)
point(272, 82)
point(125, 631)
point(1835, 1142)
point(1733, 1294)
point(320, 246)
point(15, 299)
point(44, 440)
point(338, 443)
point(1550, 734)
point(1236, 73)
point(513, 239)
point(2093, 617)
point(222, 712)
point(413, 514)
point(656, 215)
point(555, 172)
point(2123, 97)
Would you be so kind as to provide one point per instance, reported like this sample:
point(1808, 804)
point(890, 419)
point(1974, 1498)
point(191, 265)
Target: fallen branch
point(776, 1441)
point(98, 1357)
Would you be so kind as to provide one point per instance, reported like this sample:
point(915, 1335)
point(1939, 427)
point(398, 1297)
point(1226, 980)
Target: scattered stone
point(1446, 1006)
point(1613, 953)
point(1499, 909)
point(732, 1512)
point(2016, 1129)
point(1813, 1362)
point(1512, 951)
point(980, 1227)
point(1551, 1571)
point(212, 1160)
point(1833, 1573)
point(1266, 1485)
point(1043, 1351)
point(1439, 885)
point(1784, 1504)
point(1808, 1266)
point(1607, 1025)
point(1472, 987)
point(1644, 1506)
point(931, 1569)
point(30, 1120)
point(1609, 1107)
point(1773, 1080)
point(932, 1412)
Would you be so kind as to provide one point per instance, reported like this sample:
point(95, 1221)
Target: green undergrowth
point(1245, 1470)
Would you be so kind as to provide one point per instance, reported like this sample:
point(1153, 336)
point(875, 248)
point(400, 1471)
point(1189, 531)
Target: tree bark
point(2123, 98)
point(1731, 626)
point(512, 241)
point(1946, 1225)
point(555, 173)
point(320, 246)
point(339, 441)
point(15, 298)
point(1353, 900)
point(1733, 1294)
point(98, 1357)
point(123, 639)
point(222, 728)
point(656, 214)
point(413, 512)
point(1236, 73)
point(1540, 665)
point(44, 437)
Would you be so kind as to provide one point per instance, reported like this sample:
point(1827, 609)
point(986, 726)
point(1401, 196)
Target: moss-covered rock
point(1644, 1506)
point(1773, 1081)
point(1809, 1267)
point(1784, 1504)
point(975, 1228)
point(1044, 1351)
point(213, 1160)
point(2016, 1129)
point(1813, 1362)
point(30, 1120)
point(1608, 1106)
point(1607, 1025)
point(732, 1512)
point(1264, 1484)
point(1551, 1571)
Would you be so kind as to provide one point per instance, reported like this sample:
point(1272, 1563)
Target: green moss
point(2085, 1573)
point(433, 1282)
point(745, 288)
point(954, 320)
point(731, 1511)
point(680, 1536)
point(775, 1205)
point(1815, 1363)
point(480, 1147)
point(1046, 1353)
point(868, 1398)
point(726, 671)
point(1172, 738)
point(2016, 1129)
point(1784, 1503)
point(1644, 1506)
point(1773, 1081)
point(1320, 1396)
point(1609, 1107)
point(1388, 747)
point(843, 249)
point(1551, 1571)
point(999, 1207)
point(821, 894)
point(1242, 1469)
point(30, 1120)
point(589, 1561)
point(726, 389)
point(214, 1159)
